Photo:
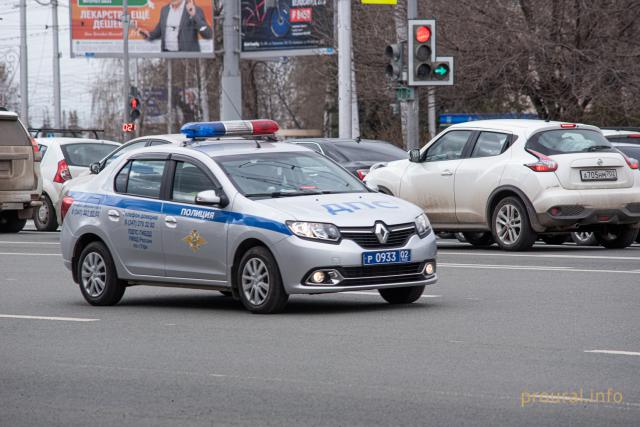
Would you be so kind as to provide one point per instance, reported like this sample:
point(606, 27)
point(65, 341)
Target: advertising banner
point(272, 28)
point(158, 28)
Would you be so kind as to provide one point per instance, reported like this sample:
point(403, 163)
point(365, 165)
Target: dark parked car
point(358, 155)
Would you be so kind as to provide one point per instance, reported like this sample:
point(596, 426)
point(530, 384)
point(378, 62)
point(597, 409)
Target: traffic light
point(395, 66)
point(134, 108)
point(425, 67)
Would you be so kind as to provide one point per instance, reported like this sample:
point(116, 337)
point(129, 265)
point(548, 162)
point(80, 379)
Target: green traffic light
point(441, 70)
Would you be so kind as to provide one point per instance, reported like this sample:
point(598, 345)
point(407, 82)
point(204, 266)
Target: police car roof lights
point(229, 128)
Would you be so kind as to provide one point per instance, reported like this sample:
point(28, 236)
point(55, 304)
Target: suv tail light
point(67, 201)
point(544, 163)
point(632, 163)
point(362, 173)
point(36, 151)
point(63, 173)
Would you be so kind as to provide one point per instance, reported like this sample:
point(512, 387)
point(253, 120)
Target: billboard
point(272, 28)
point(158, 28)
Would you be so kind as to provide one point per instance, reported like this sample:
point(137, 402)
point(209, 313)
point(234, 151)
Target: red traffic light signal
point(134, 102)
point(423, 34)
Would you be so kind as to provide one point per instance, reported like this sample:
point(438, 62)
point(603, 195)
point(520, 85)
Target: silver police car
point(235, 210)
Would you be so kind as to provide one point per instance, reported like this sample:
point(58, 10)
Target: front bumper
point(297, 258)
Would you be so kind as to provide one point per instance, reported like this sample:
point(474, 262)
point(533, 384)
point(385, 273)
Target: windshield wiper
point(599, 148)
point(277, 194)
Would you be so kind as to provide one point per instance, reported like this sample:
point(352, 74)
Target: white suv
point(507, 181)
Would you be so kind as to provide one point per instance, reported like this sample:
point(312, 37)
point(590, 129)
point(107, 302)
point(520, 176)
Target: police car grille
point(382, 274)
point(366, 238)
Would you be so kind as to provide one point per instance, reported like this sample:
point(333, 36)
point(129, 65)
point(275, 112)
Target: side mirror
point(373, 187)
point(94, 168)
point(211, 198)
point(415, 156)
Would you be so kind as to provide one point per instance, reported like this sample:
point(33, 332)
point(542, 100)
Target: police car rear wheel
point(99, 283)
point(401, 295)
point(259, 282)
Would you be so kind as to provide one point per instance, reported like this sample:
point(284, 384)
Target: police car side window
point(145, 178)
point(188, 181)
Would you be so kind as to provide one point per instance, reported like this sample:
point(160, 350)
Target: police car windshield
point(285, 174)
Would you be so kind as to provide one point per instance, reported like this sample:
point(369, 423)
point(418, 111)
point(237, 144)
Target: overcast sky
point(76, 73)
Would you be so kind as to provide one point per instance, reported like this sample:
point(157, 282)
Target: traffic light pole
point(413, 105)
point(344, 69)
point(57, 110)
point(125, 57)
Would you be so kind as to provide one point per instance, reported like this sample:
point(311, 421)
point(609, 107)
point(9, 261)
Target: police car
point(236, 211)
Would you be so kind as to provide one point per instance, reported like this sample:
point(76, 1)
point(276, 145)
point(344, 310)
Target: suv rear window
point(563, 141)
point(12, 133)
point(84, 154)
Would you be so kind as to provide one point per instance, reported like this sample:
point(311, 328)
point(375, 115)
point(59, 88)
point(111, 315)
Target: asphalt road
point(478, 349)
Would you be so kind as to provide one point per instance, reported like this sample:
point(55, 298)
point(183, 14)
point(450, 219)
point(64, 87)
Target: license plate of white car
point(386, 257)
point(599, 175)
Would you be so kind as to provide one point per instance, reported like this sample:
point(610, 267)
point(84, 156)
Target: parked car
point(20, 179)
point(355, 155)
point(622, 136)
point(62, 160)
point(512, 180)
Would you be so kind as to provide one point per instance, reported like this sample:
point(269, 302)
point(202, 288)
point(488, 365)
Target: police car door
point(195, 237)
point(135, 216)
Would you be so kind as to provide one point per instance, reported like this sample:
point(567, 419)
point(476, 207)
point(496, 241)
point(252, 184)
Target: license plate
point(599, 175)
point(386, 257)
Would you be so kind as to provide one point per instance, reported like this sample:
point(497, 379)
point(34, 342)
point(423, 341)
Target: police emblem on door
point(194, 240)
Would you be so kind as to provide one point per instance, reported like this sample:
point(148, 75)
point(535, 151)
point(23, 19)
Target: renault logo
point(381, 232)
point(599, 162)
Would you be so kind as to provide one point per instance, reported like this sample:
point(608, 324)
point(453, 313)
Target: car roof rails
point(73, 133)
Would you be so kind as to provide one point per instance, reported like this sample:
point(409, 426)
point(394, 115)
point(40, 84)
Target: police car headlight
point(422, 225)
point(314, 230)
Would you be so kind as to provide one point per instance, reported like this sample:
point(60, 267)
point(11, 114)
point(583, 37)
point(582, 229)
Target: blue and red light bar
point(229, 128)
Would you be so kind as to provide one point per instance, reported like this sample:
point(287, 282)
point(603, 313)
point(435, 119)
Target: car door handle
point(446, 172)
point(170, 221)
point(113, 214)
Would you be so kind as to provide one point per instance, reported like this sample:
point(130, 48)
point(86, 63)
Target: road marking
point(475, 253)
point(27, 254)
point(377, 294)
point(535, 267)
point(2, 242)
point(619, 352)
point(64, 319)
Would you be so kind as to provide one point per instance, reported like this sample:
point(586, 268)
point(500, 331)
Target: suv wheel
point(99, 282)
point(259, 282)
point(510, 225)
point(616, 237)
point(10, 223)
point(479, 240)
point(584, 238)
point(45, 216)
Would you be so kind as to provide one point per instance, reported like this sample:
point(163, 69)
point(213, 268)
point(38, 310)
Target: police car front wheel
point(401, 295)
point(259, 282)
point(99, 283)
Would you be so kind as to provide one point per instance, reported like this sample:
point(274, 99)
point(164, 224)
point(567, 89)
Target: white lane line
point(377, 294)
point(619, 352)
point(476, 253)
point(64, 319)
point(2, 242)
point(27, 254)
point(535, 267)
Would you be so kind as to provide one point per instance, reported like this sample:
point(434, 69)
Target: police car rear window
point(141, 178)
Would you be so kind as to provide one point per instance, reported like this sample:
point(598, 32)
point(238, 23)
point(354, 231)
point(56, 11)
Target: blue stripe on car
point(183, 210)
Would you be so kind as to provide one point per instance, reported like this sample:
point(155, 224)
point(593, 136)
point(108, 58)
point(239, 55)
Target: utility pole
point(413, 105)
point(355, 117)
point(125, 57)
point(344, 69)
point(56, 68)
point(169, 96)
point(24, 74)
point(231, 83)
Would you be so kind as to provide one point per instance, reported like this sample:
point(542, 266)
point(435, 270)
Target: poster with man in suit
point(158, 28)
